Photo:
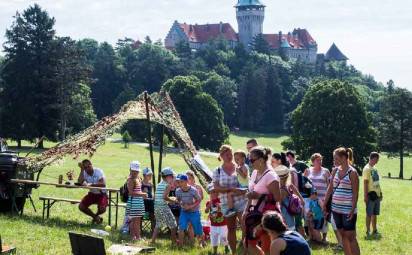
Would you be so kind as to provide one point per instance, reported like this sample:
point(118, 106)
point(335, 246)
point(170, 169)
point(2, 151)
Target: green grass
point(33, 236)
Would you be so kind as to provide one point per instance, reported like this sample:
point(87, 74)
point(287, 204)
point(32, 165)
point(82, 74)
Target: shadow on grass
point(251, 134)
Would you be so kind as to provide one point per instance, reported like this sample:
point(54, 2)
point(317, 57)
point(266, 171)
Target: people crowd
point(260, 202)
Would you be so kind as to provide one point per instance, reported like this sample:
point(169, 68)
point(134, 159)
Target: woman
point(135, 204)
point(282, 241)
point(279, 163)
point(344, 191)
point(263, 182)
point(320, 180)
point(225, 181)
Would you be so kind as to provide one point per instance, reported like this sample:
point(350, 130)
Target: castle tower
point(250, 15)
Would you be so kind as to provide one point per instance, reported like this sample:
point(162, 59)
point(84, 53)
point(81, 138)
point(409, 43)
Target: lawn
point(33, 236)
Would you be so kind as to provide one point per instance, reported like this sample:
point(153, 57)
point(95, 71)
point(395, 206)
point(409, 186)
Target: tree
point(72, 73)
point(107, 77)
point(30, 95)
point(395, 123)
point(224, 91)
point(331, 115)
point(260, 44)
point(200, 113)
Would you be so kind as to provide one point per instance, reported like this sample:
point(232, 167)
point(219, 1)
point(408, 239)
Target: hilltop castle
point(250, 15)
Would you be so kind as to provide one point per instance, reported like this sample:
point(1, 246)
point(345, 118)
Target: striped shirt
point(319, 181)
point(160, 190)
point(342, 197)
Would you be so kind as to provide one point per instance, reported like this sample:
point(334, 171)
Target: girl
point(279, 163)
point(344, 191)
point(282, 241)
point(135, 204)
point(264, 181)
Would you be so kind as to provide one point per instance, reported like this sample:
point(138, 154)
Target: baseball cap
point(167, 171)
point(147, 171)
point(135, 166)
point(181, 177)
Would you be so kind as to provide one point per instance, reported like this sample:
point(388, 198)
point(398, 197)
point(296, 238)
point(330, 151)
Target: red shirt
point(215, 215)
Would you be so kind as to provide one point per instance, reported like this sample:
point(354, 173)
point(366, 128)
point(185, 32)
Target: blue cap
point(313, 191)
point(167, 171)
point(147, 171)
point(181, 177)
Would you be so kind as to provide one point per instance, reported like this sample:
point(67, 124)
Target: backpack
point(253, 218)
point(303, 181)
point(124, 193)
point(294, 207)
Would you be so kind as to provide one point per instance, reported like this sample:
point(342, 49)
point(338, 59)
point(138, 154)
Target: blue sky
point(375, 35)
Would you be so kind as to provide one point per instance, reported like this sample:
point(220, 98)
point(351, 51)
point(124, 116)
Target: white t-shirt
point(94, 179)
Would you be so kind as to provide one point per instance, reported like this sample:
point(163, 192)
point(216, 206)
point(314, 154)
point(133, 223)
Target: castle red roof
point(298, 39)
point(203, 33)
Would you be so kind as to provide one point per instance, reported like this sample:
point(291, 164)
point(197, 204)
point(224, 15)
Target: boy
point(218, 228)
point(189, 199)
point(242, 171)
point(315, 215)
point(372, 193)
point(163, 215)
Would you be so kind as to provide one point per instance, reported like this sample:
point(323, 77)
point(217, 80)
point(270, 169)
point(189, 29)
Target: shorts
point(318, 224)
point(91, 198)
point(149, 205)
point(342, 221)
point(239, 206)
point(373, 207)
point(164, 217)
point(194, 219)
point(262, 239)
point(218, 235)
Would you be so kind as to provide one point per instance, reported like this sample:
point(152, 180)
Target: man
point(297, 176)
point(372, 193)
point(93, 177)
point(249, 145)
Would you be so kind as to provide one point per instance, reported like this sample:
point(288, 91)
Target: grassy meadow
point(33, 236)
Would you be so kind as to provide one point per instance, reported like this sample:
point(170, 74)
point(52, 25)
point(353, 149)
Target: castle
point(250, 15)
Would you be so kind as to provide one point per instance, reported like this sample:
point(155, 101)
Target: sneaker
point(368, 234)
point(375, 233)
point(230, 213)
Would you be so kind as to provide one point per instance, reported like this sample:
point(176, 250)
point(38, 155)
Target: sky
point(375, 35)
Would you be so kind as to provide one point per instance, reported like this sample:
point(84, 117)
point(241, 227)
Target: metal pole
point(146, 100)
point(160, 153)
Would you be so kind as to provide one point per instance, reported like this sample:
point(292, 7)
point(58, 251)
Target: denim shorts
point(318, 224)
point(373, 207)
point(342, 221)
point(192, 217)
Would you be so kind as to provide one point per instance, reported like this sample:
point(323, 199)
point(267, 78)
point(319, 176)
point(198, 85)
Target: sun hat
point(147, 171)
point(167, 171)
point(282, 171)
point(135, 166)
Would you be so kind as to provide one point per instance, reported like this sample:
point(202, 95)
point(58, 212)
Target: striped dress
point(135, 205)
point(342, 197)
point(319, 181)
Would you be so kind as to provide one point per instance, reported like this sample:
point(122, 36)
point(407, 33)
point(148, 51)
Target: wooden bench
point(48, 202)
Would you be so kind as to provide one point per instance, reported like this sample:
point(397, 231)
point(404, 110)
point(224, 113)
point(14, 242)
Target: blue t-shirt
point(316, 210)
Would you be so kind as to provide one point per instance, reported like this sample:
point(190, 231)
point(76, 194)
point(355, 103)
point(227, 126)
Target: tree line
point(53, 86)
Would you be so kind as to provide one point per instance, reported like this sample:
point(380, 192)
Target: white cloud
point(375, 35)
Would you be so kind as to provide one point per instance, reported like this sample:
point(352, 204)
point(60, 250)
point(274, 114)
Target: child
point(218, 229)
point(242, 171)
point(189, 199)
point(147, 185)
point(192, 182)
point(315, 215)
point(135, 204)
point(163, 214)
